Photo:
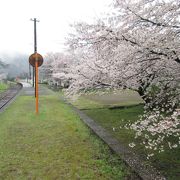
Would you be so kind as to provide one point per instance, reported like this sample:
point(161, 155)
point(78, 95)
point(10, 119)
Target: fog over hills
point(17, 64)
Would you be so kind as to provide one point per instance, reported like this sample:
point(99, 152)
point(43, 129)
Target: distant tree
point(46, 69)
point(17, 64)
point(3, 64)
point(57, 68)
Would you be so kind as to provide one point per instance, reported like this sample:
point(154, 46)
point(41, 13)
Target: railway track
point(8, 95)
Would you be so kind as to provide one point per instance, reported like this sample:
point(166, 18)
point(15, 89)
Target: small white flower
point(175, 146)
point(132, 145)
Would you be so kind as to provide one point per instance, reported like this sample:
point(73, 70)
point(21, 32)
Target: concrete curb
point(144, 171)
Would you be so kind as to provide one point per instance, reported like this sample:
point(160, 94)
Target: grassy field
point(53, 145)
point(112, 119)
point(107, 99)
point(3, 87)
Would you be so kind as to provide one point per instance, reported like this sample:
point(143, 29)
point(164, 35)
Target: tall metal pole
point(35, 39)
point(36, 67)
point(35, 51)
point(33, 77)
point(36, 79)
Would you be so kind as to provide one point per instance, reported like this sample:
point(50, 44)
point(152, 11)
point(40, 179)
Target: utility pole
point(36, 60)
point(35, 51)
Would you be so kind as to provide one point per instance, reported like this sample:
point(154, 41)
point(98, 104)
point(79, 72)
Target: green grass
point(3, 87)
point(116, 98)
point(106, 99)
point(113, 120)
point(53, 145)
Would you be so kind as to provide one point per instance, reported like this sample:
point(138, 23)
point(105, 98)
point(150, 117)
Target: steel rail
point(8, 95)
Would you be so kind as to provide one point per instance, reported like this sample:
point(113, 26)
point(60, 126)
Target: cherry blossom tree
point(56, 68)
point(46, 70)
point(117, 63)
point(158, 27)
point(137, 48)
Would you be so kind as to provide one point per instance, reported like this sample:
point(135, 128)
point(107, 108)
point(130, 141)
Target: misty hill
point(17, 65)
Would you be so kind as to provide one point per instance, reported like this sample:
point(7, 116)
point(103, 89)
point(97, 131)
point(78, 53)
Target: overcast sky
point(16, 32)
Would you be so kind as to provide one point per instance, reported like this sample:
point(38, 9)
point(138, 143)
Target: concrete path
point(28, 90)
